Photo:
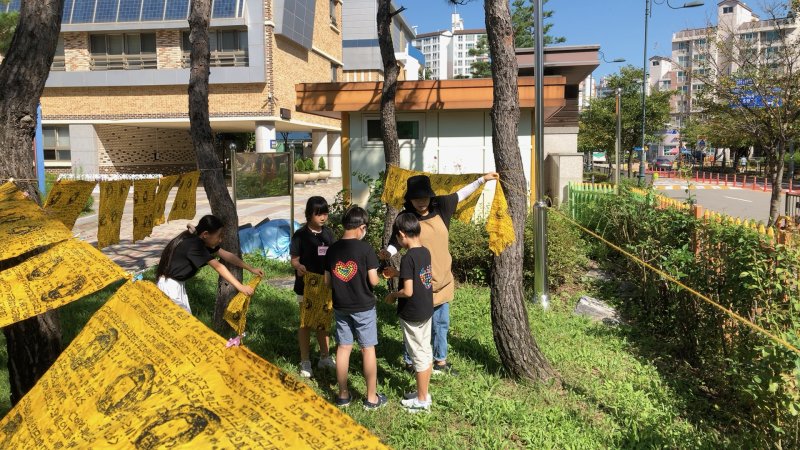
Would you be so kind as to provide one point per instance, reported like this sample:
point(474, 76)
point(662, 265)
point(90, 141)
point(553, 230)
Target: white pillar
point(334, 159)
point(265, 136)
point(319, 145)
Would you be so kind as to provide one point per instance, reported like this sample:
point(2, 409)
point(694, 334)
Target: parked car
point(662, 163)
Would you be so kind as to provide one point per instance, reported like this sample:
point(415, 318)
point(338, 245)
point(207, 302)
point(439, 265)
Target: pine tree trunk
point(391, 146)
point(512, 335)
point(210, 168)
point(35, 343)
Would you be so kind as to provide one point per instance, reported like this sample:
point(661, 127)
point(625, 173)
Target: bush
point(469, 247)
point(309, 164)
point(321, 163)
point(299, 166)
point(737, 267)
point(566, 252)
point(374, 206)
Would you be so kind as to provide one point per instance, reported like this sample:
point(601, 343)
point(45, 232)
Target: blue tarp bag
point(250, 241)
point(275, 238)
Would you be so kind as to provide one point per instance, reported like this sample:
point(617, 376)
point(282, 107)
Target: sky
point(616, 25)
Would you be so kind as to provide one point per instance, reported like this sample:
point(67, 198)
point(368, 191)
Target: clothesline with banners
point(69, 194)
point(97, 177)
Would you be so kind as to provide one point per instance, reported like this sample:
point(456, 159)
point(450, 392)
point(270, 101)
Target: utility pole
point(540, 208)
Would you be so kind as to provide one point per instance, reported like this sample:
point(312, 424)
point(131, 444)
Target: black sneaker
point(382, 400)
point(343, 402)
point(409, 368)
point(444, 369)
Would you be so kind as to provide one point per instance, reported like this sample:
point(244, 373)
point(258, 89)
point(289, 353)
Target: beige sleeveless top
point(436, 238)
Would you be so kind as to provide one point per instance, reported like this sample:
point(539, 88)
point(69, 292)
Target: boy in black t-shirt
point(415, 308)
point(351, 269)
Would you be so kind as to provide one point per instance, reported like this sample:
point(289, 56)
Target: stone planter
point(324, 175)
point(313, 176)
point(300, 177)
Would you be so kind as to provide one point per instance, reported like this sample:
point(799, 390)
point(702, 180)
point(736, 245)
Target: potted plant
point(324, 173)
point(300, 174)
point(313, 174)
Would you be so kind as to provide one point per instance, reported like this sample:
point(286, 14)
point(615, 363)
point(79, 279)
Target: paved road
point(145, 253)
point(735, 202)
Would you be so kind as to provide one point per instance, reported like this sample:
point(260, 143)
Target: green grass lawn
point(610, 395)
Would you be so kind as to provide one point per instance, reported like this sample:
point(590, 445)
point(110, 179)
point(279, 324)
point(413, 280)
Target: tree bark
point(776, 177)
point(512, 335)
point(210, 168)
point(35, 343)
point(391, 146)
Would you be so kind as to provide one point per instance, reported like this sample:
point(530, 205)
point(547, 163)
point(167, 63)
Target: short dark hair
point(354, 218)
point(407, 223)
point(316, 206)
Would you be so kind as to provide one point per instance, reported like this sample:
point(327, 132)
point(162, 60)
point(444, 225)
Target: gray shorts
point(364, 325)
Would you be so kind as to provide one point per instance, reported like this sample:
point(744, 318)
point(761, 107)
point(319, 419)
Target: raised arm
point(467, 190)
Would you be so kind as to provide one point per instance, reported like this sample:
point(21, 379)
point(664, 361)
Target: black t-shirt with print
point(442, 205)
point(416, 266)
point(189, 256)
point(311, 248)
point(348, 261)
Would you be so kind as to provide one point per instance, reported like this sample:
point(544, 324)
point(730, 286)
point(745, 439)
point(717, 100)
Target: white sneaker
point(327, 363)
point(412, 395)
point(414, 405)
point(305, 369)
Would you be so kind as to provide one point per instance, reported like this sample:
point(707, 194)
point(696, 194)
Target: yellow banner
point(186, 198)
point(112, 203)
point(144, 195)
point(316, 311)
point(165, 184)
point(66, 200)
point(64, 273)
point(236, 312)
point(24, 226)
point(145, 374)
point(498, 224)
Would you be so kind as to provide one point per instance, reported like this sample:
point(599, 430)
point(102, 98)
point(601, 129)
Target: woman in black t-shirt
point(189, 252)
point(308, 248)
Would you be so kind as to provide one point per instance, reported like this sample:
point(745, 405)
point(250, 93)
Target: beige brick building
point(116, 99)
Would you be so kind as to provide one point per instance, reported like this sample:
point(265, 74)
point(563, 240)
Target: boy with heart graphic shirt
point(415, 308)
point(351, 269)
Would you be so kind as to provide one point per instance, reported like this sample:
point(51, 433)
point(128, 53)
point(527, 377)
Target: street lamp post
point(232, 148)
point(541, 288)
point(647, 11)
point(618, 147)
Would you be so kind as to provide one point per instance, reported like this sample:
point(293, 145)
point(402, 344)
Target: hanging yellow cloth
point(498, 224)
point(185, 203)
point(143, 374)
point(66, 200)
point(24, 226)
point(316, 312)
point(144, 195)
point(236, 312)
point(64, 273)
point(113, 195)
point(165, 184)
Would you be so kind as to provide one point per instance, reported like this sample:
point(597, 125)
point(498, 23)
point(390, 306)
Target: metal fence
point(792, 205)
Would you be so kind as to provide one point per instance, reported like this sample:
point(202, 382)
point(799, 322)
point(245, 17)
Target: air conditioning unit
point(286, 114)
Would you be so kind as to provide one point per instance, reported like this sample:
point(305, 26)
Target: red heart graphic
point(345, 271)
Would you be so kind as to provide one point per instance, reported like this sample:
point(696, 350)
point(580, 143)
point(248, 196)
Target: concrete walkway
point(146, 253)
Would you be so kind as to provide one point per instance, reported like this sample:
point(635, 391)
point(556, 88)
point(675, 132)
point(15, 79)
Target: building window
point(406, 130)
point(56, 143)
point(228, 48)
point(333, 12)
point(334, 72)
point(128, 51)
point(727, 9)
point(655, 63)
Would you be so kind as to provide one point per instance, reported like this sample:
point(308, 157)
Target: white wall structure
point(319, 145)
point(334, 159)
point(265, 136)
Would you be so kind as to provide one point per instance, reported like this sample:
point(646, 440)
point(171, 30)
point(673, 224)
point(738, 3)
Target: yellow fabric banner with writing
point(316, 311)
point(64, 273)
point(165, 184)
point(236, 312)
point(113, 195)
point(498, 224)
point(186, 199)
point(144, 195)
point(145, 374)
point(66, 200)
point(24, 226)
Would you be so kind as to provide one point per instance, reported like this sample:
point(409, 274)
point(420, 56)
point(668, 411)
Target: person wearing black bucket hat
point(434, 214)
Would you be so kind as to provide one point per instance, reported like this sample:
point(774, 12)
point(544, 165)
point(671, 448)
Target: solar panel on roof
point(152, 10)
point(129, 10)
point(177, 10)
point(67, 11)
point(106, 11)
point(83, 11)
point(224, 9)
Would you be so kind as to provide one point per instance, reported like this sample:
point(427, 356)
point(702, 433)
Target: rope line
point(777, 339)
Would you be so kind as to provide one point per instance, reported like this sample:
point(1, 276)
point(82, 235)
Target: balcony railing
point(237, 58)
point(59, 64)
point(124, 62)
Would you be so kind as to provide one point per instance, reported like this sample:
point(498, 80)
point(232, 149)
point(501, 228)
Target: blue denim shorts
point(364, 325)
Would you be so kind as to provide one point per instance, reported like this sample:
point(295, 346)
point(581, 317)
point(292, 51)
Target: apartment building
point(446, 52)
point(116, 99)
point(360, 47)
point(735, 21)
